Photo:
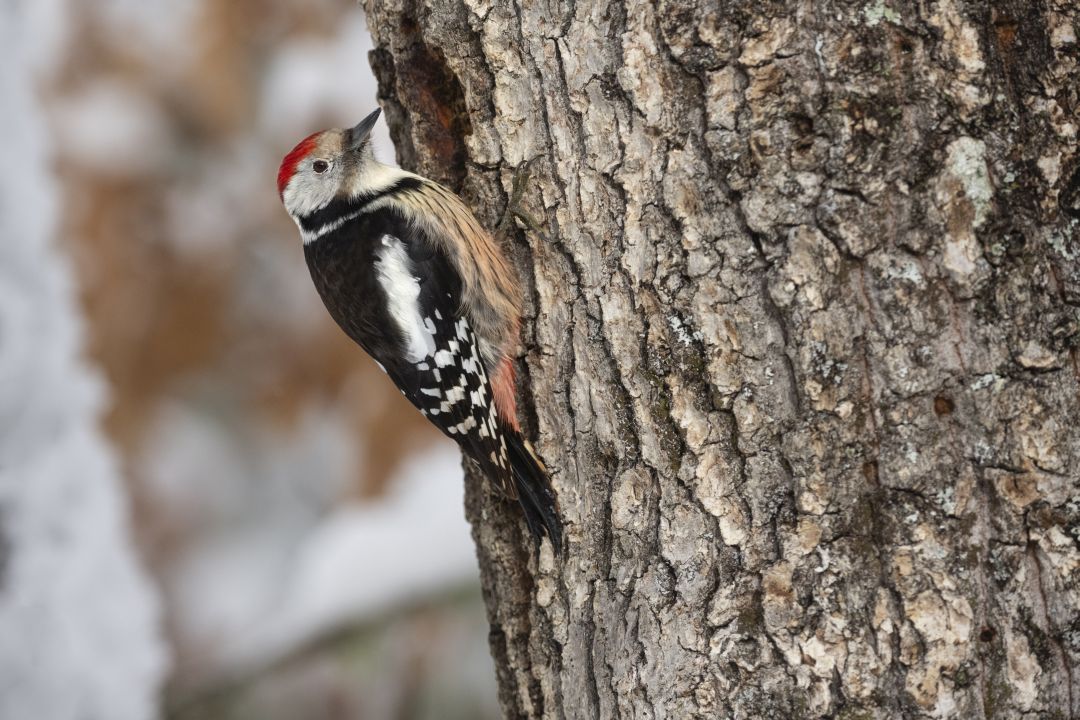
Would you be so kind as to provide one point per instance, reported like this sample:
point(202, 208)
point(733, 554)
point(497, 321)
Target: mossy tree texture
point(801, 351)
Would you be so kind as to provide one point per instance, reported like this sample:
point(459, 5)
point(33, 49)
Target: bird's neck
point(373, 177)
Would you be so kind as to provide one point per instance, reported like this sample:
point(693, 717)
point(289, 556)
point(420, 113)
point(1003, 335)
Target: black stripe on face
point(341, 206)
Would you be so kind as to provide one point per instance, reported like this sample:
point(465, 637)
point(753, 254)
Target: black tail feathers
point(534, 490)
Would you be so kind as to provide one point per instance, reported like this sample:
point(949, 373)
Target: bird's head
point(329, 164)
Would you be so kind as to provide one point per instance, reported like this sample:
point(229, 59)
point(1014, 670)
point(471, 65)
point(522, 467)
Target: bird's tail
point(534, 490)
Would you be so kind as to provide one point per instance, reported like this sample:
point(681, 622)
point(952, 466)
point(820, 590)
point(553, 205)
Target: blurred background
point(299, 527)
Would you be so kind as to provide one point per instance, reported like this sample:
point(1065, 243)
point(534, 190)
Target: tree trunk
point(801, 351)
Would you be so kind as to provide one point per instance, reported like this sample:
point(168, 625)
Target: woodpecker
point(409, 274)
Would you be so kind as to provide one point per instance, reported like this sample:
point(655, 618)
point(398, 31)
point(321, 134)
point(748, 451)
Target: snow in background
point(359, 561)
point(274, 553)
point(282, 561)
point(278, 554)
point(312, 81)
point(261, 526)
point(78, 619)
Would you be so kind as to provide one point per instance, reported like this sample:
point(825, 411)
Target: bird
point(412, 277)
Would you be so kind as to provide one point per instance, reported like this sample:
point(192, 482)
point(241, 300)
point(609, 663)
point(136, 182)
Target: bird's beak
point(362, 129)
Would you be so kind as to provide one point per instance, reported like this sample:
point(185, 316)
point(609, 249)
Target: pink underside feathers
point(502, 387)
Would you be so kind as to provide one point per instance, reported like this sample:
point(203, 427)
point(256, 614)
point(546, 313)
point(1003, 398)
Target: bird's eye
point(320, 166)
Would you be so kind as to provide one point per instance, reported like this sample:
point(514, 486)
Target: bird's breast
point(343, 269)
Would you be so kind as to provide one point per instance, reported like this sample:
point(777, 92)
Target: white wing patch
point(402, 289)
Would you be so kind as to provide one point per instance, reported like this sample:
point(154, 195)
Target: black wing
point(451, 388)
point(449, 385)
point(408, 315)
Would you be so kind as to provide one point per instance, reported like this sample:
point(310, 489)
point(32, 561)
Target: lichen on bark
point(801, 347)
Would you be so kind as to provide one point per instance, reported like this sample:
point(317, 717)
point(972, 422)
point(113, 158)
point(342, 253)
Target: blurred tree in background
point(71, 591)
point(805, 290)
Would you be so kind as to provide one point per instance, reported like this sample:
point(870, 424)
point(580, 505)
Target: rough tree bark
point(802, 345)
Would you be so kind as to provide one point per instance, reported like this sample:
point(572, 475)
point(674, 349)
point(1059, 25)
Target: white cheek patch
point(394, 272)
point(305, 193)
